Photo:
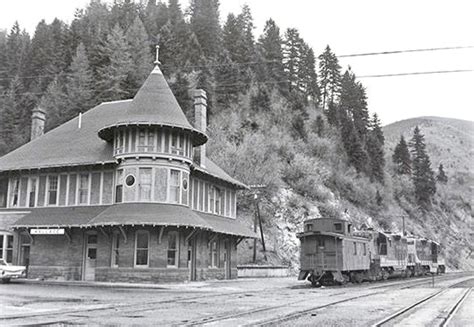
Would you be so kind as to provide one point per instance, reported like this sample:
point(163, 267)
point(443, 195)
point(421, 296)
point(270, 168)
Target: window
point(151, 140)
point(173, 249)
point(321, 243)
point(309, 227)
point(3, 192)
point(115, 261)
point(218, 201)
point(6, 247)
point(119, 186)
point(177, 144)
point(365, 248)
point(53, 190)
point(83, 188)
point(141, 140)
point(200, 195)
point(120, 142)
point(213, 255)
point(211, 199)
point(141, 248)
point(15, 191)
point(32, 192)
point(174, 186)
point(145, 184)
point(338, 227)
point(355, 248)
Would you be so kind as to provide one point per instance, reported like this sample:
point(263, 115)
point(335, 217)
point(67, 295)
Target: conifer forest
point(280, 115)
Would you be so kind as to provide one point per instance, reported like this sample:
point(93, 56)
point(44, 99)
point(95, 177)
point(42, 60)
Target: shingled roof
point(154, 104)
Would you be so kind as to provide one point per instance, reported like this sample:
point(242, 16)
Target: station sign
point(44, 231)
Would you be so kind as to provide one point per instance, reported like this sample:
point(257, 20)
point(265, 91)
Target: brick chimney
point(200, 123)
point(38, 118)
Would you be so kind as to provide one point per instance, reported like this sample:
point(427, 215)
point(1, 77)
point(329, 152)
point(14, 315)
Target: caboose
point(330, 252)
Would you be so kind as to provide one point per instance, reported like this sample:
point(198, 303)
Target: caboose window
point(355, 248)
point(309, 227)
point(338, 227)
point(365, 249)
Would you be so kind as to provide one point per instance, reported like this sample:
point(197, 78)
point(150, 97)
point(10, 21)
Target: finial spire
point(157, 59)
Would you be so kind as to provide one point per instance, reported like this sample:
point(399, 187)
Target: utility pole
point(258, 219)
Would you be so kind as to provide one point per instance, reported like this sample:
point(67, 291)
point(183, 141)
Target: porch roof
point(59, 216)
point(155, 214)
point(229, 226)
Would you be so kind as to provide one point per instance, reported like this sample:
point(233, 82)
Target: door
point(192, 259)
point(25, 251)
point(227, 259)
point(90, 259)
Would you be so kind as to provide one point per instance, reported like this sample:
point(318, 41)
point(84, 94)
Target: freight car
point(332, 252)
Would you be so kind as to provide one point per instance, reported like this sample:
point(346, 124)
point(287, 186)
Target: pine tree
point(17, 49)
point(352, 143)
point(15, 116)
point(292, 51)
point(115, 73)
point(205, 24)
point(124, 13)
point(423, 175)
point(79, 85)
point(55, 102)
point(401, 158)
point(329, 77)
point(375, 150)
point(142, 60)
point(441, 177)
point(270, 46)
point(308, 79)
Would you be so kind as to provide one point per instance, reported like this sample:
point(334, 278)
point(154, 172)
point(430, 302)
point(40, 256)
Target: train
point(333, 252)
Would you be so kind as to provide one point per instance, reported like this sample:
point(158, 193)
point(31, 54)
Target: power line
point(419, 73)
point(404, 51)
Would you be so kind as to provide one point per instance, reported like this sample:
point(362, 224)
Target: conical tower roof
point(154, 105)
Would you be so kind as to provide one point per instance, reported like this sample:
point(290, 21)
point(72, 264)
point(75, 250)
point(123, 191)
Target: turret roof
point(154, 104)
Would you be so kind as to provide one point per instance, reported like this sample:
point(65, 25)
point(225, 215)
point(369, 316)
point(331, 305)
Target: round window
point(130, 180)
point(185, 184)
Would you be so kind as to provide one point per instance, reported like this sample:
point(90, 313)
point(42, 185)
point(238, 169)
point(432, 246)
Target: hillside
point(449, 141)
point(328, 187)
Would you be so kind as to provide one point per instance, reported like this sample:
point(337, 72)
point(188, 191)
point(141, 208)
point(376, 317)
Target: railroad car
point(332, 252)
point(424, 256)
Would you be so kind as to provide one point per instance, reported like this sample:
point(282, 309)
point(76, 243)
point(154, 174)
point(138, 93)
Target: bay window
point(145, 184)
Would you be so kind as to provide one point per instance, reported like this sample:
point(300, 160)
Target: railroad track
point(410, 309)
point(223, 318)
point(124, 309)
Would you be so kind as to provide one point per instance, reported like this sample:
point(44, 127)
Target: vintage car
point(7, 271)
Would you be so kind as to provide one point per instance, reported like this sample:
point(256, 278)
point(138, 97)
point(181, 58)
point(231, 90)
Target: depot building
point(124, 192)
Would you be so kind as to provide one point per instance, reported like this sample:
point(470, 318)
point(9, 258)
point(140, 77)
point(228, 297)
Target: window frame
point(141, 192)
point(174, 188)
point(56, 191)
point(135, 256)
point(115, 251)
point(30, 190)
point(176, 250)
point(214, 254)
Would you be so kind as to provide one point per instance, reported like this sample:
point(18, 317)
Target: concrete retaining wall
point(246, 271)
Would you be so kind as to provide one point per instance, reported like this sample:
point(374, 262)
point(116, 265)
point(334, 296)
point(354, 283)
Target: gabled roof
point(154, 104)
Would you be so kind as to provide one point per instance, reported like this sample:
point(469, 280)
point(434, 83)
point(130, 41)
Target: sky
point(353, 27)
